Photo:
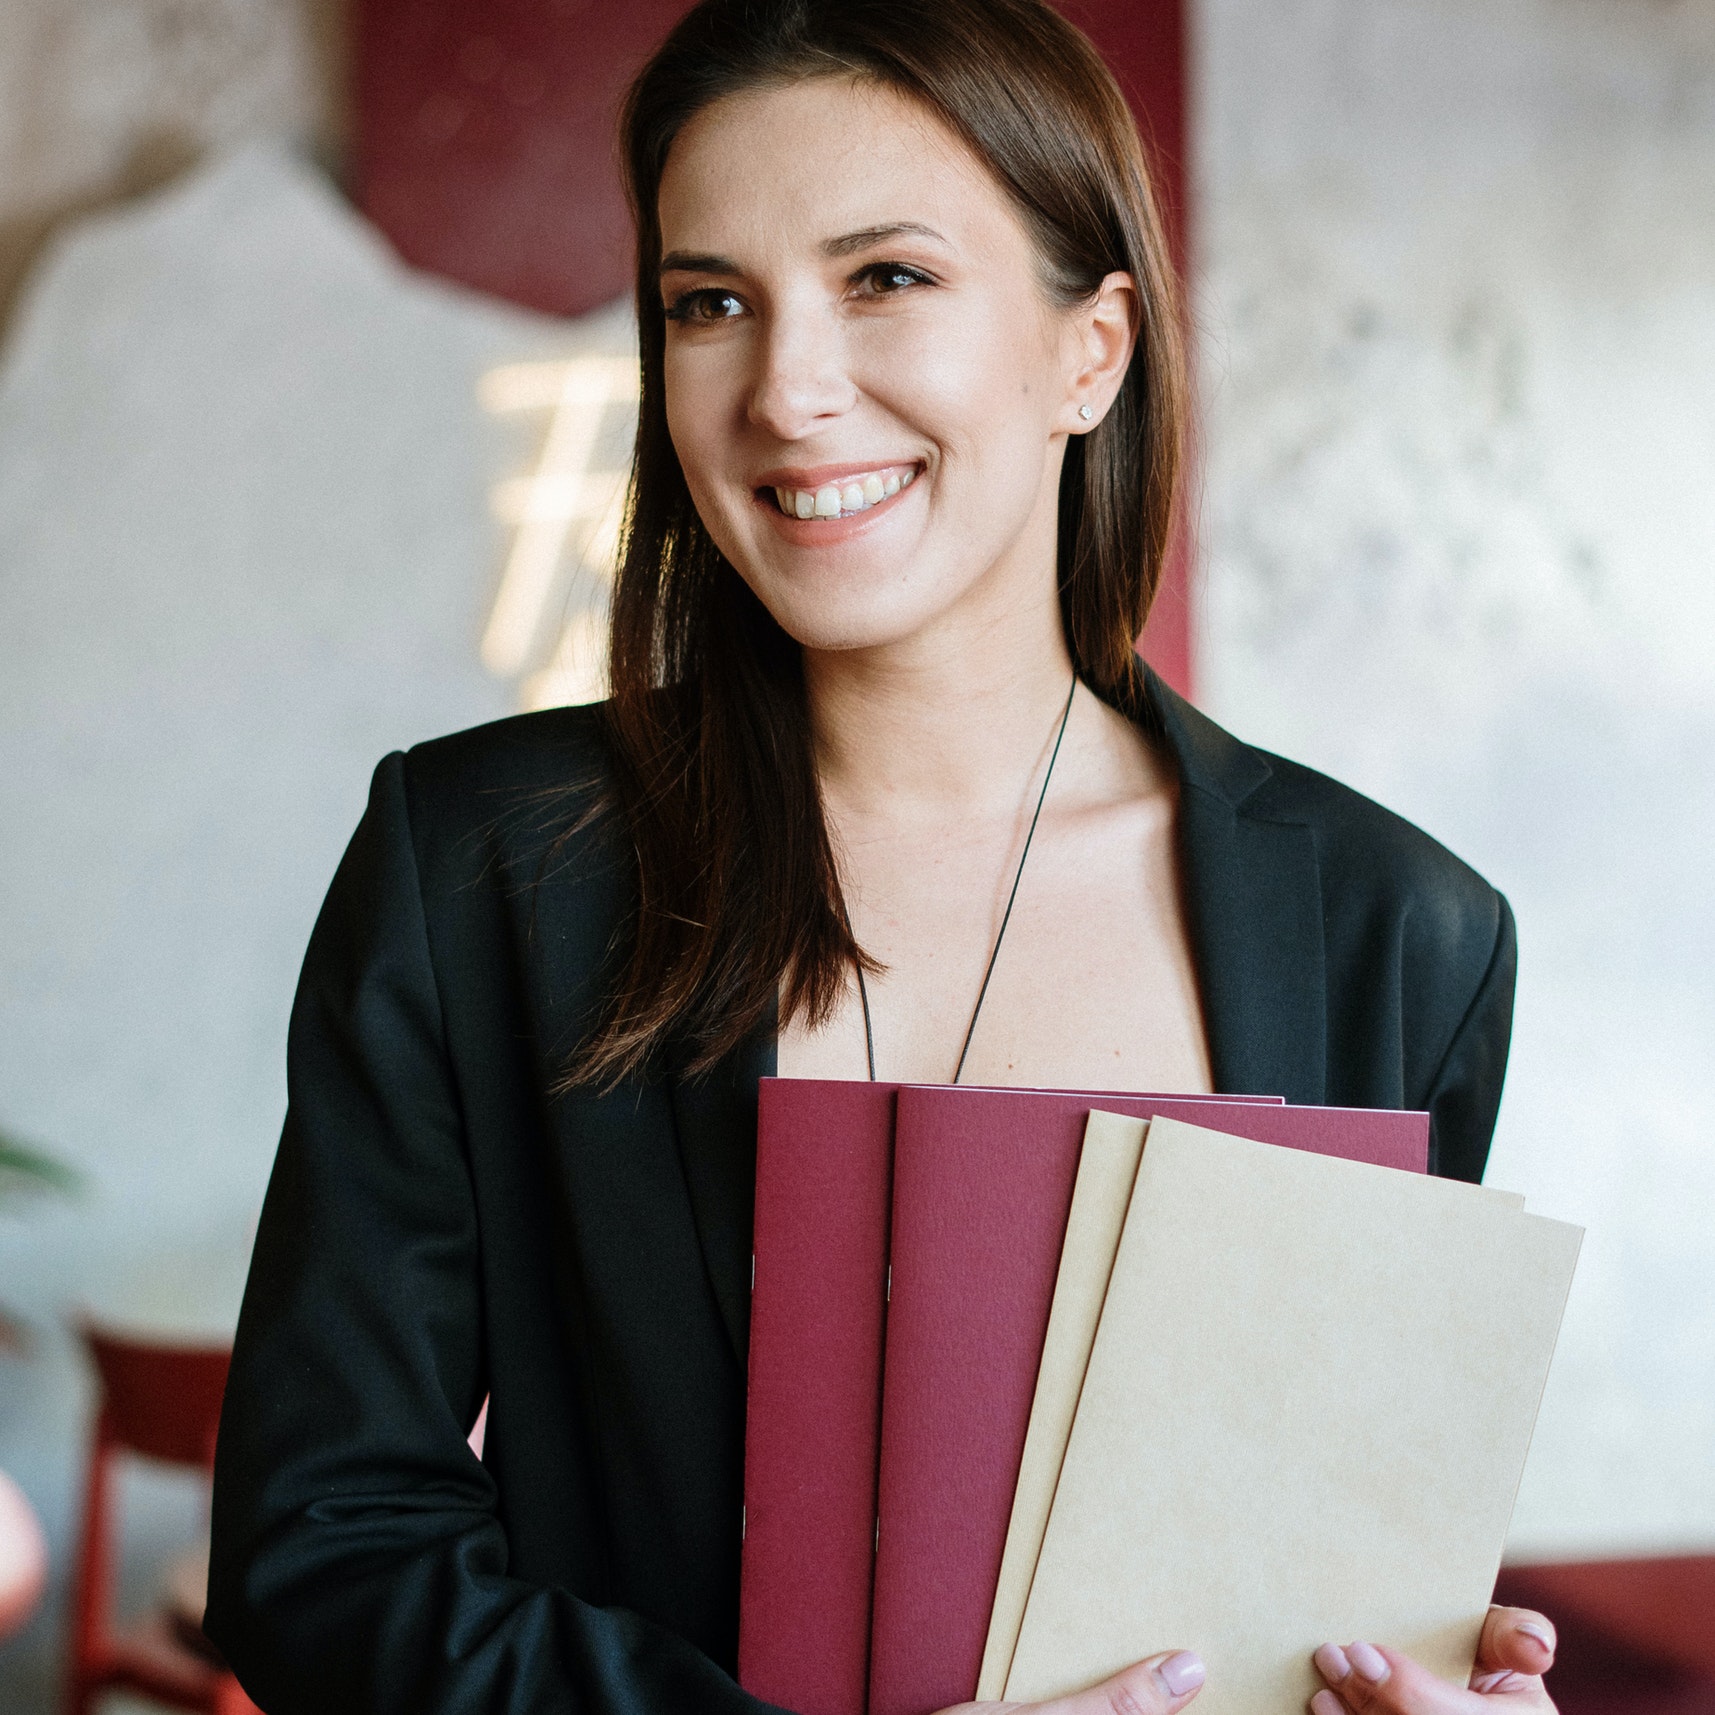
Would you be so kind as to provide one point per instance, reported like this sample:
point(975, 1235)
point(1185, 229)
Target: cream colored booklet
point(1304, 1418)
point(1107, 1166)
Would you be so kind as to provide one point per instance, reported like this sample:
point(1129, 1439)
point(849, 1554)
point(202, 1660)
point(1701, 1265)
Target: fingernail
point(1326, 1703)
point(1181, 1673)
point(1541, 1633)
point(1368, 1662)
point(1505, 1680)
point(1331, 1663)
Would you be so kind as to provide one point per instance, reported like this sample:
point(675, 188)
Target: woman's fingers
point(1161, 1685)
point(1515, 1650)
point(1514, 1640)
point(1158, 1686)
point(1365, 1680)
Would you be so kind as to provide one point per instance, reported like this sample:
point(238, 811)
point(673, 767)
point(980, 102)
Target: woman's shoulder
point(544, 749)
point(1379, 869)
point(1372, 861)
point(509, 790)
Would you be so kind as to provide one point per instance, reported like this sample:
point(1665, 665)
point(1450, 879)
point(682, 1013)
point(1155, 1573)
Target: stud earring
point(1085, 412)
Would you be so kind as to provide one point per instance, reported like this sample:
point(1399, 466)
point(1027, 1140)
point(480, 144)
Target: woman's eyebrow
point(848, 243)
point(697, 262)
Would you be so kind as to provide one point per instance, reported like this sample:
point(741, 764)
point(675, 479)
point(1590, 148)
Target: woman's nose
point(803, 380)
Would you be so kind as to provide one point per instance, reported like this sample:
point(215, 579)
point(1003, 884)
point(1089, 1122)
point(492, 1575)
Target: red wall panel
point(484, 139)
point(1144, 42)
point(484, 149)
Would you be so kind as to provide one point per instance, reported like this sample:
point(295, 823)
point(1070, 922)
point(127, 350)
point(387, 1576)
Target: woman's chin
point(863, 583)
point(852, 597)
point(851, 623)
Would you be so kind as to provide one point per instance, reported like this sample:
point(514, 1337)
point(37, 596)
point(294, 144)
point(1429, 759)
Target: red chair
point(163, 1402)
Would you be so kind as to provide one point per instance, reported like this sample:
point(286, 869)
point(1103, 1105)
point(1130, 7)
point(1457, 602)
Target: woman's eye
point(705, 304)
point(887, 279)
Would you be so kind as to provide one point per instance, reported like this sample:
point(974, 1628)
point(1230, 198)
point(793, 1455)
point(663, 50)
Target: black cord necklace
point(1006, 916)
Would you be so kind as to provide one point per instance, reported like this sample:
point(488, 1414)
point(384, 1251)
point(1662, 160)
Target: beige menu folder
point(1304, 1419)
point(1107, 1166)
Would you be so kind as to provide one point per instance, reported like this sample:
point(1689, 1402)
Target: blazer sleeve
point(1465, 1093)
point(358, 1563)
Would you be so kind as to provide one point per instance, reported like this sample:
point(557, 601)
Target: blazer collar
point(1253, 897)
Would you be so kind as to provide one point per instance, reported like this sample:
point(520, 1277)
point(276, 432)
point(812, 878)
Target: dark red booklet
point(824, 1152)
point(823, 1186)
point(982, 1185)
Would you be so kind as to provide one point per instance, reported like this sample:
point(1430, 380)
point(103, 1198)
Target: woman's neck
point(939, 726)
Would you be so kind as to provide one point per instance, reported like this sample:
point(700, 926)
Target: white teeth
point(841, 500)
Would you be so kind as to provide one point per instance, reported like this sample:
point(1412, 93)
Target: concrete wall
point(1458, 301)
point(245, 549)
point(101, 100)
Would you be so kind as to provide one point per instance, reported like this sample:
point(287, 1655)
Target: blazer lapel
point(715, 1117)
point(665, 1168)
point(1254, 899)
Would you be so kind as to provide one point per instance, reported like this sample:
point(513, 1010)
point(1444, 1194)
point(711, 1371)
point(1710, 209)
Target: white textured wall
point(85, 83)
point(102, 99)
point(1458, 298)
point(244, 551)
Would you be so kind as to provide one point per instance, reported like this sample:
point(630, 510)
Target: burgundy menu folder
point(824, 1152)
point(982, 1185)
point(823, 1186)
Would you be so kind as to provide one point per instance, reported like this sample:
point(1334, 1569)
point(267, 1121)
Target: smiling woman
point(882, 786)
point(910, 433)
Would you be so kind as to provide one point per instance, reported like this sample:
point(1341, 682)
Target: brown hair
point(738, 892)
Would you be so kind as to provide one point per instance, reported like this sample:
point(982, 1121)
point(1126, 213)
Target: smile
point(842, 499)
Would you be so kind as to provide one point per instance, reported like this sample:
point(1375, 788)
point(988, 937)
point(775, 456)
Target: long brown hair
point(738, 904)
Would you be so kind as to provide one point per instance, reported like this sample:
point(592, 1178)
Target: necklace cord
point(868, 1029)
point(1006, 916)
point(863, 997)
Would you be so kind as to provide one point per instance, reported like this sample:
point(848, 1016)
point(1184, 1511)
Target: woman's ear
point(1103, 334)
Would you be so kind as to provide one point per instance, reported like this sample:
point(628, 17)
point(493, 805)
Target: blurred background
point(315, 394)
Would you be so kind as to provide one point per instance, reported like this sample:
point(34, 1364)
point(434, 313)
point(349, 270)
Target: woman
point(881, 788)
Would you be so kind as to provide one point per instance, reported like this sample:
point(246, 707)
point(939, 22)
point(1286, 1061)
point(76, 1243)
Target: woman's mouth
point(843, 499)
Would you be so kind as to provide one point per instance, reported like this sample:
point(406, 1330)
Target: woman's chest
point(1080, 957)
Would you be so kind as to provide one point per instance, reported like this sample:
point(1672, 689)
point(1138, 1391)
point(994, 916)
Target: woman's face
point(868, 387)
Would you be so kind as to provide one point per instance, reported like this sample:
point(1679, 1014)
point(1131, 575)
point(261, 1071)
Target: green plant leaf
point(26, 1169)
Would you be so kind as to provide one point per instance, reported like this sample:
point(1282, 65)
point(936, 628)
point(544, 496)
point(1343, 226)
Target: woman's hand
point(1162, 1685)
point(1515, 1651)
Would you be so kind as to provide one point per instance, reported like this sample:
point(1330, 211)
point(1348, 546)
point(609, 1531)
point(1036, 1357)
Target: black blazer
point(438, 1228)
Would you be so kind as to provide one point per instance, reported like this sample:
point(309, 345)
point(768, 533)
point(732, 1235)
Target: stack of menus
point(1044, 1382)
